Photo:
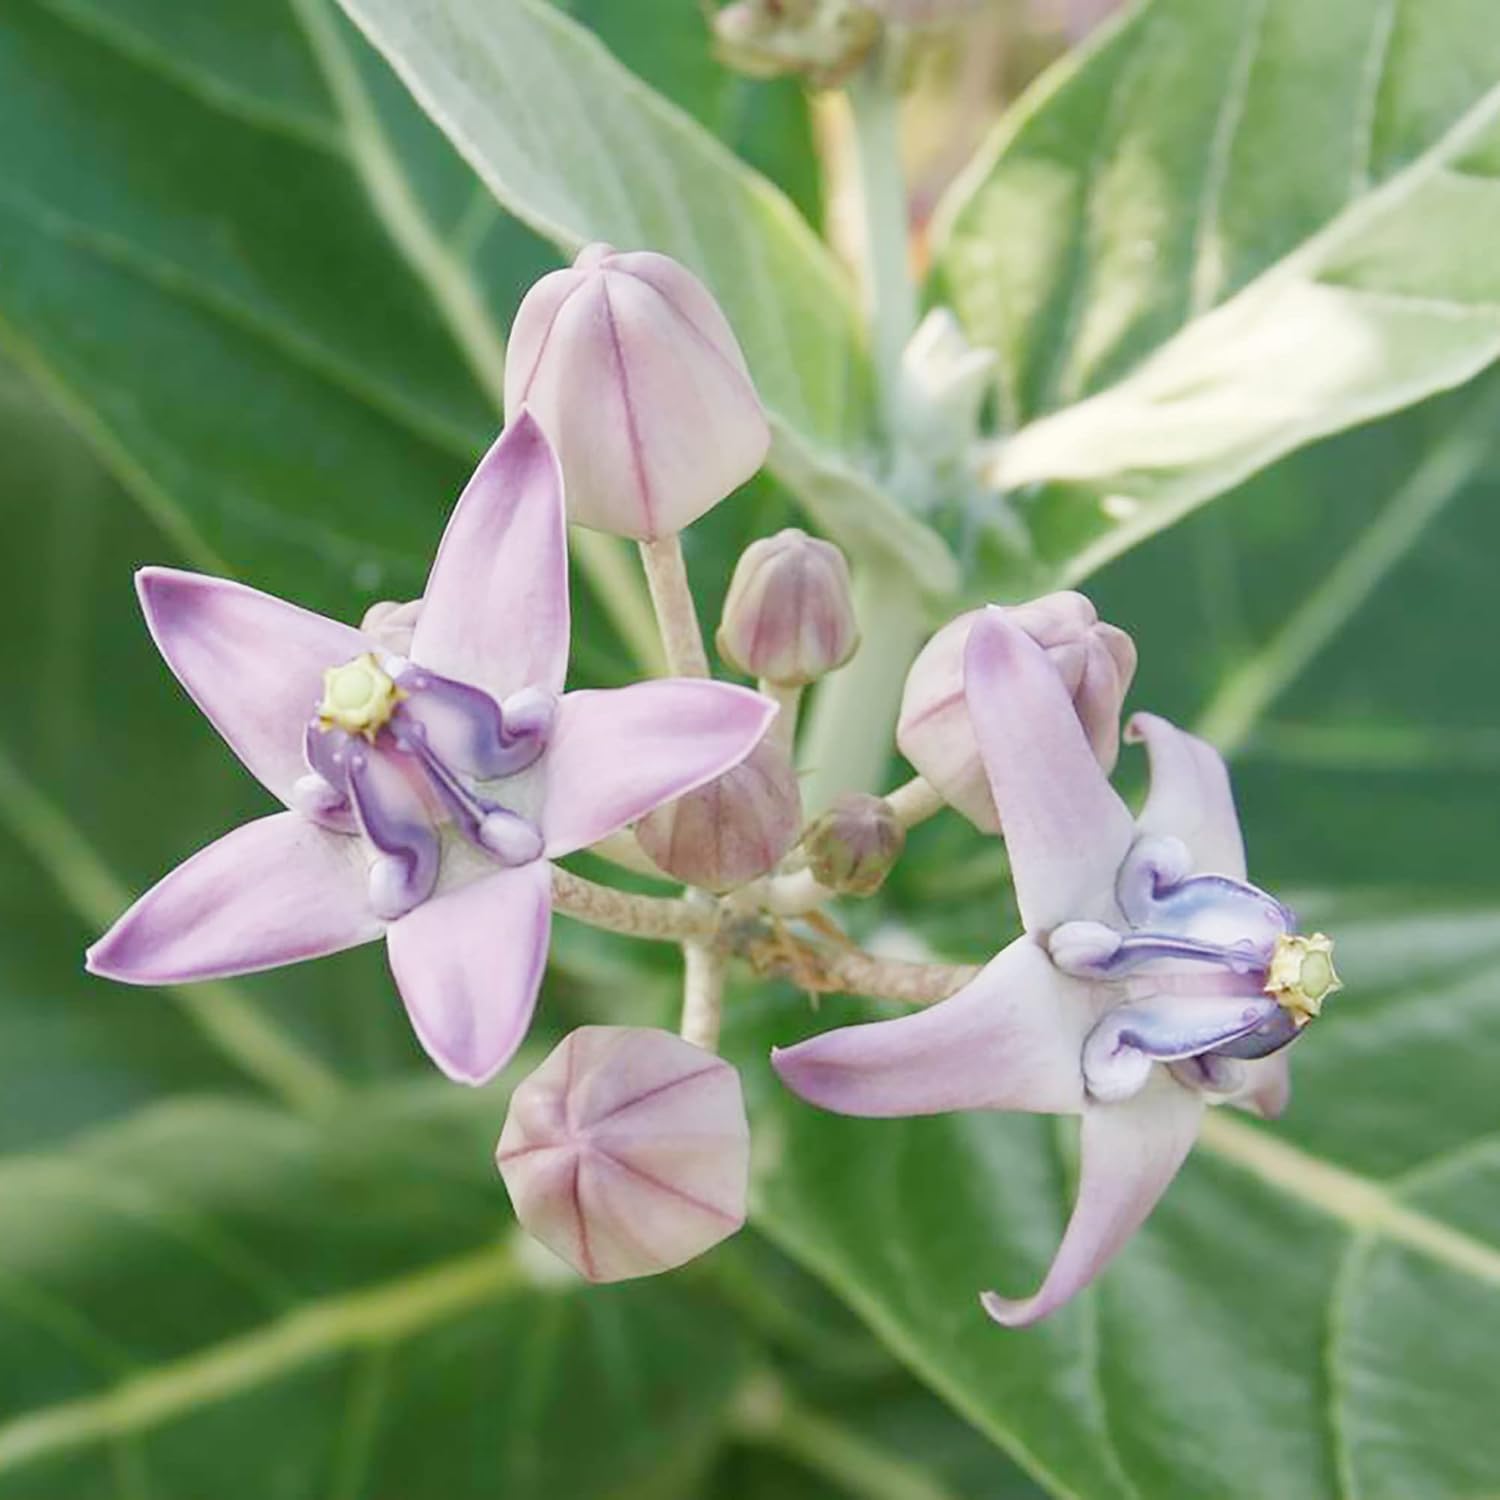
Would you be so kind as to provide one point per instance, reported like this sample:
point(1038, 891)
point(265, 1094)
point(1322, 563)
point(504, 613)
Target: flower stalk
point(704, 973)
point(676, 614)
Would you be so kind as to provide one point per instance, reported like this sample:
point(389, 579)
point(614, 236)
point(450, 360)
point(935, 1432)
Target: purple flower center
point(1198, 971)
point(394, 752)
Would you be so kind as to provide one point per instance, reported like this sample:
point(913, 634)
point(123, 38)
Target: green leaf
point(1282, 1322)
point(1224, 232)
point(217, 1300)
point(1325, 625)
point(581, 150)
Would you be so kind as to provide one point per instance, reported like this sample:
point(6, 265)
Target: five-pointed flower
point(425, 792)
point(1151, 977)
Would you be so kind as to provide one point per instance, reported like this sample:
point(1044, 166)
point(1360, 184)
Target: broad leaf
point(1228, 230)
point(579, 149)
point(217, 1300)
point(259, 281)
point(1279, 1327)
point(1325, 625)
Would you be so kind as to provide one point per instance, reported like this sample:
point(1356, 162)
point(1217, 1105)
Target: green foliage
point(1293, 1308)
point(1228, 230)
point(249, 1247)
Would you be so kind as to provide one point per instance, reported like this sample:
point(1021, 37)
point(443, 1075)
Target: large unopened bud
point(731, 831)
point(627, 1152)
point(1095, 661)
point(853, 846)
point(788, 617)
point(634, 373)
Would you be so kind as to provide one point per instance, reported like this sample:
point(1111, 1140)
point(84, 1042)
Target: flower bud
point(943, 384)
point(1095, 661)
point(627, 1152)
point(633, 372)
point(788, 617)
point(731, 831)
point(855, 844)
point(823, 41)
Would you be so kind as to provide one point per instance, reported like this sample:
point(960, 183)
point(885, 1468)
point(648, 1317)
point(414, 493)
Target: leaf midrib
point(372, 1317)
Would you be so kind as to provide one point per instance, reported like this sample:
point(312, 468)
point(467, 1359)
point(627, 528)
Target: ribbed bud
point(855, 844)
point(943, 385)
point(731, 831)
point(788, 616)
point(823, 41)
point(634, 373)
point(1095, 661)
point(627, 1152)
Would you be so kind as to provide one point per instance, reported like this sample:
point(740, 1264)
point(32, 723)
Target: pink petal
point(469, 963)
point(495, 611)
point(1065, 828)
point(1011, 1039)
point(615, 755)
point(1131, 1152)
point(1190, 797)
point(253, 663)
point(271, 892)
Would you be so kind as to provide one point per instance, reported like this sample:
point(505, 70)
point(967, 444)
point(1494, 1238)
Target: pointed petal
point(469, 963)
point(1190, 797)
point(495, 611)
point(271, 892)
point(1066, 830)
point(253, 663)
point(1010, 1039)
point(615, 755)
point(1131, 1152)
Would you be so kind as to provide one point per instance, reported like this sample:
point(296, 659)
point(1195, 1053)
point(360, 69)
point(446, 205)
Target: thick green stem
point(847, 743)
point(890, 294)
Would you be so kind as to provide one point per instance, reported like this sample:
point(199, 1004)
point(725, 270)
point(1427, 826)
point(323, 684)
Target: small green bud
point(853, 846)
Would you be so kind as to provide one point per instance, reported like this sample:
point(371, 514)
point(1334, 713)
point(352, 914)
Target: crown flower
point(1151, 979)
point(424, 791)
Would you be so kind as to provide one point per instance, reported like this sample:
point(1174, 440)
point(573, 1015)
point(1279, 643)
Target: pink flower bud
point(788, 616)
point(634, 374)
point(627, 1152)
point(1095, 661)
point(855, 844)
point(731, 831)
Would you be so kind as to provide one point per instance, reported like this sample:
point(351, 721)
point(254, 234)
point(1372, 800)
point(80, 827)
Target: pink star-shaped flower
point(425, 793)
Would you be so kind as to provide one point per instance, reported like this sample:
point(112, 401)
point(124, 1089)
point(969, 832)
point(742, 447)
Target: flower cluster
point(430, 769)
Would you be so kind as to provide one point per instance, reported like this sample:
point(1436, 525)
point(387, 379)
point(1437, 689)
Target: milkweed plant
point(443, 785)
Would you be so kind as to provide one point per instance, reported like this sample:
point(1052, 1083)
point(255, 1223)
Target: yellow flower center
point(1301, 975)
point(358, 697)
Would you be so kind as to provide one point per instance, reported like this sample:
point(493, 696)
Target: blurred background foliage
point(218, 354)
